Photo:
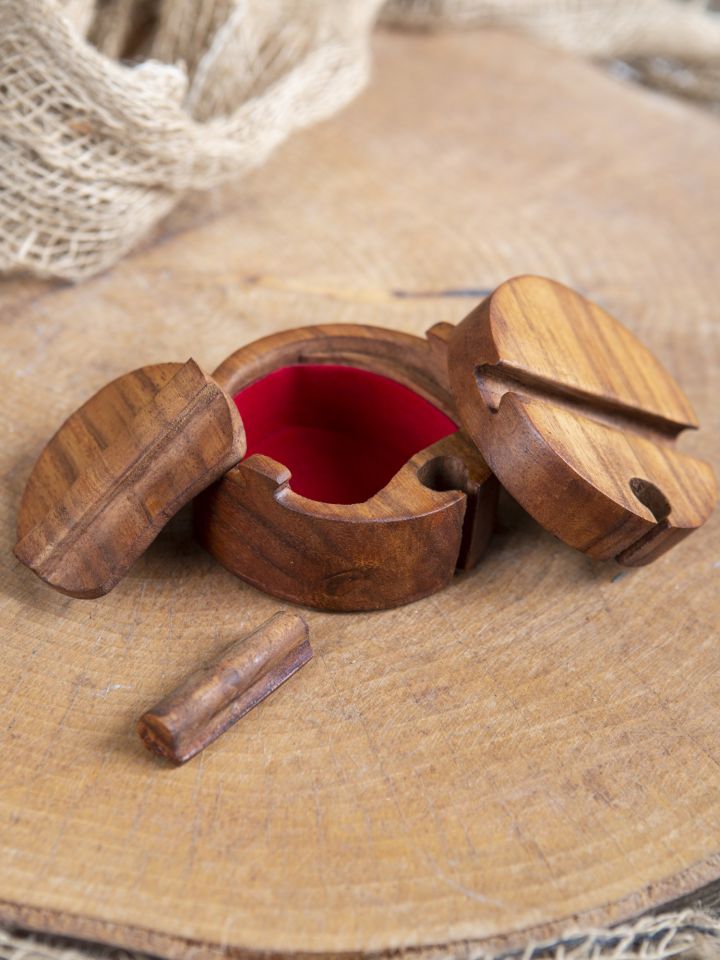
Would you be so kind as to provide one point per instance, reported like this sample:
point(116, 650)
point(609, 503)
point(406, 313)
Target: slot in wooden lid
point(578, 420)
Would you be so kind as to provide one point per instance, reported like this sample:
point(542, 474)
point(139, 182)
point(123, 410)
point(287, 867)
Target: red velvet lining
point(342, 432)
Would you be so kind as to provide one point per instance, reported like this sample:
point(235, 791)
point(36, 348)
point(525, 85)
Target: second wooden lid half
point(578, 420)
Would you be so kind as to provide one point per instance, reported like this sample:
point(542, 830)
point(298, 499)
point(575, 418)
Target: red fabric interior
point(342, 432)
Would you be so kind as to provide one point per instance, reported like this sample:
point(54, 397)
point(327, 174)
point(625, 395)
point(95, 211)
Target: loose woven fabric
point(665, 28)
point(690, 934)
point(112, 110)
point(92, 152)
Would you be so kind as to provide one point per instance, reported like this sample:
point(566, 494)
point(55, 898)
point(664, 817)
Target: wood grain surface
point(578, 420)
point(214, 697)
point(435, 515)
point(117, 470)
point(537, 746)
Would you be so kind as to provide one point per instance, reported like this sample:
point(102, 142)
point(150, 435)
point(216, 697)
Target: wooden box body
point(389, 532)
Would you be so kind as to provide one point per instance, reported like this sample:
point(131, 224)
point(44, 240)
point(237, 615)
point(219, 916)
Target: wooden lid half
point(118, 469)
point(577, 419)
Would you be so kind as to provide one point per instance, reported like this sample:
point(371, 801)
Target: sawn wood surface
point(532, 749)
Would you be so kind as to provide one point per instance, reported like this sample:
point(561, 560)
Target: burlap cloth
point(111, 110)
point(690, 933)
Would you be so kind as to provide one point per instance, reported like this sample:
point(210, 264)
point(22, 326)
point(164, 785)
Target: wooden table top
point(533, 748)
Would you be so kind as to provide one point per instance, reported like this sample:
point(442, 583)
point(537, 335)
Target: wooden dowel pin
point(215, 697)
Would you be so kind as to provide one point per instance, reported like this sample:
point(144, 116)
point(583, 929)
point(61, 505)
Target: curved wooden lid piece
point(577, 419)
point(118, 469)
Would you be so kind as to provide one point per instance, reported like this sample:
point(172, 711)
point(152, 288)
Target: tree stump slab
point(536, 748)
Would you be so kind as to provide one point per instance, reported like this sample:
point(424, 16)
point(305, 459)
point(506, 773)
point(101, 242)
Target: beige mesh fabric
point(111, 109)
point(688, 934)
point(93, 152)
point(597, 28)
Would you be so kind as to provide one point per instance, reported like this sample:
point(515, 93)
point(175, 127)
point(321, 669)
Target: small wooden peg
point(215, 697)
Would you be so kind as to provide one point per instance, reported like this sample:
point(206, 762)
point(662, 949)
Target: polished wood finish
point(577, 418)
point(535, 749)
point(402, 544)
point(217, 695)
point(118, 469)
point(417, 362)
point(435, 515)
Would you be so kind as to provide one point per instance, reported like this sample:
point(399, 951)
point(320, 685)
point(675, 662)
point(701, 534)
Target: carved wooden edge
point(433, 517)
point(213, 698)
point(436, 515)
point(554, 344)
point(417, 362)
point(118, 469)
point(541, 435)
